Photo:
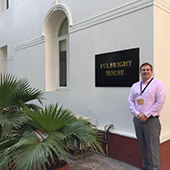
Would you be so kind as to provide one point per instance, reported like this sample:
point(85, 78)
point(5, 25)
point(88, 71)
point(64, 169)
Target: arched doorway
point(55, 30)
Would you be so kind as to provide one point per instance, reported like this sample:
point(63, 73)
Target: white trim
point(114, 13)
point(132, 135)
point(51, 39)
point(29, 43)
point(34, 42)
point(9, 58)
point(118, 12)
point(54, 8)
point(164, 138)
point(163, 5)
point(66, 88)
point(119, 132)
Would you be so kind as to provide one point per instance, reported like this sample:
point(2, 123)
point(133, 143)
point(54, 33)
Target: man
point(145, 101)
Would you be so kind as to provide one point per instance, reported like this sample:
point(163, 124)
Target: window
point(63, 63)
point(56, 47)
point(7, 4)
point(4, 5)
point(3, 59)
point(63, 54)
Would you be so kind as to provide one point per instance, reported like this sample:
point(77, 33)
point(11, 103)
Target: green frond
point(84, 133)
point(13, 90)
point(9, 122)
point(30, 151)
point(50, 119)
point(41, 133)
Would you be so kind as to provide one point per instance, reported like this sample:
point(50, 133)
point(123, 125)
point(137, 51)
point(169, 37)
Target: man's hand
point(141, 117)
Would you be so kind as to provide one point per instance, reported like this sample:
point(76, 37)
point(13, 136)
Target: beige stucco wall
point(162, 60)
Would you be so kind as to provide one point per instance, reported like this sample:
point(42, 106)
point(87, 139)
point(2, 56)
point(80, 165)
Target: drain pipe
point(107, 128)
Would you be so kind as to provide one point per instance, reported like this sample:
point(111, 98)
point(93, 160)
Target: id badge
point(140, 101)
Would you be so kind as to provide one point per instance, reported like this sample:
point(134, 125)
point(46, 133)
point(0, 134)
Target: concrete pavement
point(95, 161)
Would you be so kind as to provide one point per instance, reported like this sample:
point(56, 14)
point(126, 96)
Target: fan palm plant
point(47, 135)
point(12, 91)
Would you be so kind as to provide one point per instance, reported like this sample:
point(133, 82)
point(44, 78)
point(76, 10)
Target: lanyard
point(141, 91)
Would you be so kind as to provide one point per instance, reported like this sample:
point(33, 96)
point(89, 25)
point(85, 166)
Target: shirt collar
point(146, 81)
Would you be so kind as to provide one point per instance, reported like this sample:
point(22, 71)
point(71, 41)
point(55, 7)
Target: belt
point(153, 117)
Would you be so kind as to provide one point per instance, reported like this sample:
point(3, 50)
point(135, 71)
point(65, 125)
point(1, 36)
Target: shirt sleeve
point(159, 101)
point(131, 103)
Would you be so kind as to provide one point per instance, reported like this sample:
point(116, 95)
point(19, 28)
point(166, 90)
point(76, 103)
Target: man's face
point(146, 72)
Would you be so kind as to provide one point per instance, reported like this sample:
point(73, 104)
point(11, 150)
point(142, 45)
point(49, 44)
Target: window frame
point(61, 38)
point(4, 5)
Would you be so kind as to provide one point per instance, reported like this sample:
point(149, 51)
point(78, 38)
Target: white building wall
point(29, 18)
point(6, 32)
point(96, 27)
point(104, 105)
point(83, 10)
point(108, 105)
point(30, 63)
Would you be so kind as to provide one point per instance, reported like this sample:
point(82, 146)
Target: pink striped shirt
point(153, 96)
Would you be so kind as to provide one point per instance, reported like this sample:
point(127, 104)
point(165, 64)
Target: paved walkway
point(95, 161)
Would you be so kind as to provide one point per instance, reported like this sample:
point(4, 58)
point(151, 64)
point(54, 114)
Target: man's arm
point(159, 101)
point(131, 103)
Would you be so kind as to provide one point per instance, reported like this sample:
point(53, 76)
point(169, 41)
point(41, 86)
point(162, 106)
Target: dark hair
point(146, 64)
